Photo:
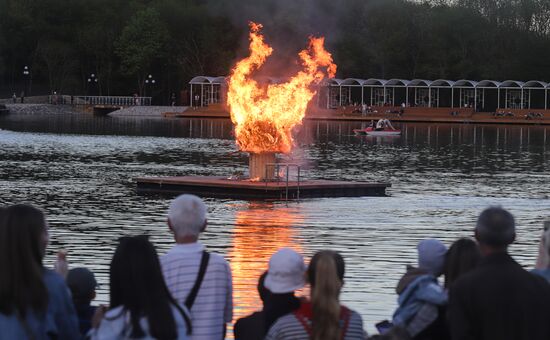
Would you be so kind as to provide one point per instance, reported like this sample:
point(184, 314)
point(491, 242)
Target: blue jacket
point(59, 320)
point(422, 290)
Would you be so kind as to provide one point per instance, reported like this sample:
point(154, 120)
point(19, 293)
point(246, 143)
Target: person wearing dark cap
point(498, 299)
point(82, 284)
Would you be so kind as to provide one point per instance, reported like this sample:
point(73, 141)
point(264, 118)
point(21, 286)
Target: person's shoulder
point(113, 313)
point(218, 260)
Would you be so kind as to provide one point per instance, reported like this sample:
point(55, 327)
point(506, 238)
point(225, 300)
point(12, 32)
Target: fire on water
point(264, 116)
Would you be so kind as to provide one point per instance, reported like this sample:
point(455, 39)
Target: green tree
point(141, 43)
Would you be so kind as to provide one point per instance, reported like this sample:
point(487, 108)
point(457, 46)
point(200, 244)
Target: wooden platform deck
point(245, 189)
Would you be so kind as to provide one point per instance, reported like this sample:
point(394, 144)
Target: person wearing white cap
point(285, 275)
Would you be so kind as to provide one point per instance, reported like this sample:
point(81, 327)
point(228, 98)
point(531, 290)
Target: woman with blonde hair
point(322, 318)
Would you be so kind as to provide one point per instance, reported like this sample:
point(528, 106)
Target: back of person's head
point(23, 238)
point(82, 283)
point(137, 284)
point(544, 251)
point(187, 215)
point(263, 292)
point(463, 256)
point(495, 227)
point(286, 272)
point(431, 256)
point(326, 276)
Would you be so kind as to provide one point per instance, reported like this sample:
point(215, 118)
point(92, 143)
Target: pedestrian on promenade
point(463, 256)
point(34, 301)
point(321, 318)
point(141, 305)
point(14, 98)
point(196, 278)
point(499, 299)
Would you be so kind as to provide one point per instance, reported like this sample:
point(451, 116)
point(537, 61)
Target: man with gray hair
point(196, 278)
point(498, 299)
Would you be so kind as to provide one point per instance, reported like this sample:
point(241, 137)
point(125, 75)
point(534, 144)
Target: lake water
point(79, 169)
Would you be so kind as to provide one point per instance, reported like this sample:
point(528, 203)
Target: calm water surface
point(79, 169)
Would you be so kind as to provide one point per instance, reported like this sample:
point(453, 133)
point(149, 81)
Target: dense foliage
point(63, 42)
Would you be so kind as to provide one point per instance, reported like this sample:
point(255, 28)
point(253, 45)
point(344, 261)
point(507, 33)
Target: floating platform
point(246, 189)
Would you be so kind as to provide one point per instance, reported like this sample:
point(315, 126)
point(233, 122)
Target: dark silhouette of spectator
point(323, 318)
point(499, 299)
point(82, 284)
point(542, 267)
point(253, 326)
point(463, 256)
point(34, 301)
point(422, 301)
point(141, 305)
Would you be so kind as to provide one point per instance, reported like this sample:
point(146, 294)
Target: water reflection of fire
point(264, 116)
point(259, 232)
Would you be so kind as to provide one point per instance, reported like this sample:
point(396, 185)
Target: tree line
point(121, 42)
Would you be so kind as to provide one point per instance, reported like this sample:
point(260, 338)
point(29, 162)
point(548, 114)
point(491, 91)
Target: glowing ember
point(264, 116)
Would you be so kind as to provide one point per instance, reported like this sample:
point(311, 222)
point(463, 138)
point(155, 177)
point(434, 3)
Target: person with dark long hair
point(141, 305)
point(323, 318)
point(34, 301)
point(463, 256)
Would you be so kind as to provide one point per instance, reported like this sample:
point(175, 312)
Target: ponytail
point(326, 273)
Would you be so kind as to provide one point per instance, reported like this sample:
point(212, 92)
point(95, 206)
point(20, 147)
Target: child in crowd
point(82, 284)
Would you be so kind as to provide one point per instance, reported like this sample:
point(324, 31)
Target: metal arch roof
point(511, 83)
point(488, 83)
point(207, 80)
point(397, 82)
point(442, 82)
point(353, 81)
point(333, 81)
point(375, 81)
point(535, 84)
point(419, 82)
point(465, 83)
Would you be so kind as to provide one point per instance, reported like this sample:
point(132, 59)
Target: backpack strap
point(190, 300)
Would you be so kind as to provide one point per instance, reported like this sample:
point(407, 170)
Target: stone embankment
point(148, 111)
point(29, 109)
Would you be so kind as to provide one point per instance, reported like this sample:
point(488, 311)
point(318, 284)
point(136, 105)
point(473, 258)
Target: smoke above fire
point(265, 115)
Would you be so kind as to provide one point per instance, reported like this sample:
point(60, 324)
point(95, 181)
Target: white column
point(406, 95)
point(371, 96)
point(545, 98)
point(340, 97)
point(475, 99)
point(452, 97)
point(498, 98)
point(202, 94)
point(349, 95)
point(393, 96)
point(521, 99)
point(211, 93)
point(362, 95)
point(191, 96)
point(429, 97)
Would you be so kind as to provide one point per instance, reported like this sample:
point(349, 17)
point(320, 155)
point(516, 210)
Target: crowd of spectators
point(187, 293)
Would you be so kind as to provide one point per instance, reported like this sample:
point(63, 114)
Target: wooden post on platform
point(258, 166)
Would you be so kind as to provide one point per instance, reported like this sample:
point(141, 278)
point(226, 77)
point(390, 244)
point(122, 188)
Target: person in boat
point(383, 124)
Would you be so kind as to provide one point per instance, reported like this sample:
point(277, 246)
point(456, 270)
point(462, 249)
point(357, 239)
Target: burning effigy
point(265, 116)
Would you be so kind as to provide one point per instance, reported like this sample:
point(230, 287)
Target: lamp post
point(149, 82)
point(92, 82)
point(26, 76)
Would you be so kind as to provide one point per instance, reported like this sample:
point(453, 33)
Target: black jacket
point(499, 300)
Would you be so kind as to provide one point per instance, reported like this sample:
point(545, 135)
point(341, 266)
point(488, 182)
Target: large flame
point(264, 116)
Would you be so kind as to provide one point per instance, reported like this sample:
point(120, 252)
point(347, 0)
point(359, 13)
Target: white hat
point(286, 272)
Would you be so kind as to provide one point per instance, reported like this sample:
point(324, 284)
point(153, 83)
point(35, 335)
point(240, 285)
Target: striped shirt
point(213, 306)
point(288, 327)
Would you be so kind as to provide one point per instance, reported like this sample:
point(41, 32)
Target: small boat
point(369, 131)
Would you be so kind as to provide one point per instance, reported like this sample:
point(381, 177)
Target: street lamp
point(26, 76)
point(149, 82)
point(92, 81)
